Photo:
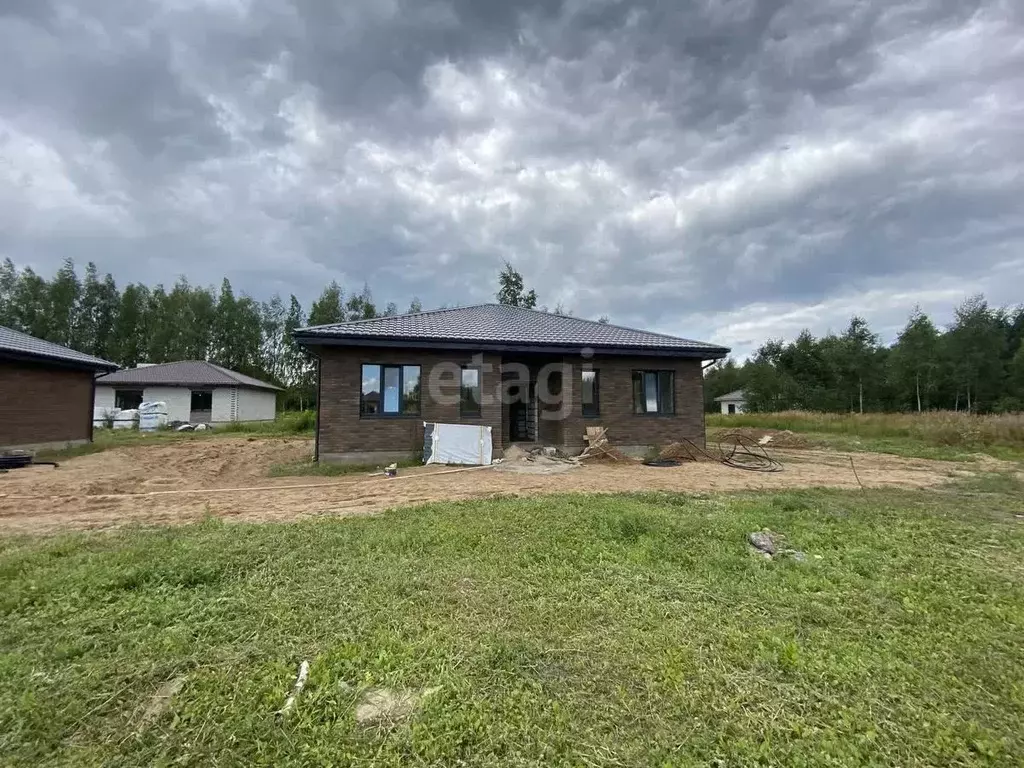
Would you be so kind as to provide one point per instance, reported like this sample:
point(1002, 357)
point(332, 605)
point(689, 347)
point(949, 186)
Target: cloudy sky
point(732, 171)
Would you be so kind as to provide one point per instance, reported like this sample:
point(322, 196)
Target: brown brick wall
point(342, 431)
point(43, 404)
point(615, 385)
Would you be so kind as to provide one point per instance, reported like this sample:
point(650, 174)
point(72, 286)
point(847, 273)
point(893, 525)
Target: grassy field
point(938, 434)
point(316, 469)
point(578, 630)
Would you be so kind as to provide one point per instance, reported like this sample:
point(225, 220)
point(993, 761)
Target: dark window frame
point(192, 400)
point(402, 412)
point(478, 413)
point(658, 373)
point(119, 397)
point(591, 410)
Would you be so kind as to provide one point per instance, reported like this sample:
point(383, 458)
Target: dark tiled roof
point(736, 395)
point(504, 326)
point(187, 373)
point(22, 345)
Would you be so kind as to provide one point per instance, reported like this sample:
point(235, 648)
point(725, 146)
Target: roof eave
point(103, 381)
point(316, 340)
point(60, 362)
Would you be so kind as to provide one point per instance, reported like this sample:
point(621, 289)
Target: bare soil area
point(180, 482)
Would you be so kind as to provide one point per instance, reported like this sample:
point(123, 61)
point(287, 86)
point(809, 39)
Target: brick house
point(46, 392)
point(533, 377)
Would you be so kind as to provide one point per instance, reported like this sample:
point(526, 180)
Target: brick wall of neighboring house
point(344, 435)
point(41, 405)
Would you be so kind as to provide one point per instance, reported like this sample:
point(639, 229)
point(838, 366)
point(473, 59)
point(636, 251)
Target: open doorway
point(522, 413)
point(201, 410)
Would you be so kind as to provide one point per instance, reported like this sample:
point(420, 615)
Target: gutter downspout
point(92, 407)
point(703, 413)
point(316, 427)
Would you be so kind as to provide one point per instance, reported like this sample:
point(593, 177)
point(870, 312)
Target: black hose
point(744, 453)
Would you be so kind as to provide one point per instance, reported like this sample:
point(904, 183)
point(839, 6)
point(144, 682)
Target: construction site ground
point(171, 482)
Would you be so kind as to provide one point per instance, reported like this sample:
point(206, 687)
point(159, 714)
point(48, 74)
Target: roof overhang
point(57, 362)
point(103, 381)
point(470, 345)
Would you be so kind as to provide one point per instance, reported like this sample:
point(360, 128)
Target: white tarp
point(126, 419)
point(457, 444)
point(152, 416)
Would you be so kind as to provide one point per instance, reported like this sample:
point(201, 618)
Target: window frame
point(119, 397)
point(658, 395)
point(594, 411)
point(463, 413)
point(402, 413)
point(202, 392)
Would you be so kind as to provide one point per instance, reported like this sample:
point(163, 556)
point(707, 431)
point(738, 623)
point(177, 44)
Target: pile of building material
point(148, 417)
point(536, 461)
point(598, 447)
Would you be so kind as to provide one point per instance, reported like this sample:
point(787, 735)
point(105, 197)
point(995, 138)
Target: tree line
point(975, 364)
point(156, 324)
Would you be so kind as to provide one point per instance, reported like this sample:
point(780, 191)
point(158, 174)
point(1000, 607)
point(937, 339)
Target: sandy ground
point(179, 482)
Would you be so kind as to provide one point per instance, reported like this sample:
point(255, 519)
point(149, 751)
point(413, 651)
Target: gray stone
point(763, 541)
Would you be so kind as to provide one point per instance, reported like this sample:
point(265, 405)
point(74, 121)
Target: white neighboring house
point(194, 390)
point(734, 402)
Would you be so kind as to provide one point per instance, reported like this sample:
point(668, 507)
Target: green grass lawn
point(328, 469)
point(577, 630)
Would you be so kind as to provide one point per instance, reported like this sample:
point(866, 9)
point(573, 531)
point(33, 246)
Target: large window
point(390, 390)
point(590, 394)
point(469, 401)
point(653, 392)
point(127, 399)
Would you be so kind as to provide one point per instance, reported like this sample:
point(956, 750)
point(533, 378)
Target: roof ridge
point(603, 325)
point(395, 317)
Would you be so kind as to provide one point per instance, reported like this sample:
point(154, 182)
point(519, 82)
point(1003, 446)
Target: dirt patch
point(161, 701)
point(387, 707)
point(181, 482)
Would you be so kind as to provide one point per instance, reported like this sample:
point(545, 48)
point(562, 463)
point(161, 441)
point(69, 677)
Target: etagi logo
point(509, 383)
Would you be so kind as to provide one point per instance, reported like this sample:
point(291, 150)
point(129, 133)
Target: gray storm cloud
point(730, 170)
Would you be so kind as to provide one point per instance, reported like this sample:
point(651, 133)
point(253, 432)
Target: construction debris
point(769, 545)
point(598, 446)
point(736, 451)
point(300, 683)
point(546, 460)
point(20, 459)
point(763, 541)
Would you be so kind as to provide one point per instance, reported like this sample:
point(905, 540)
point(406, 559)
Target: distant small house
point(45, 392)
point(194, 390)
point(734, 402)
